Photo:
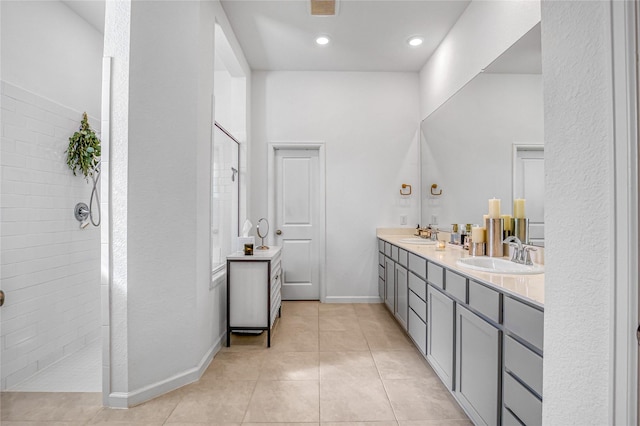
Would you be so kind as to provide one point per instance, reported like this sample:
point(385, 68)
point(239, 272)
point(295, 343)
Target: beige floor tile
point(244, 365)
point(379, 325)
point(352, 340)
point(389, 423)
point(296, 324)
point(49, 407)
point(402, 365)
point(290, 366)
point(388, 341)
point(216, 401)
point(347, 365)
point(155, 411)
point(338, 323)
point(354, 400)
point(295, 342)
point(246, 342)
point(436, 423)
point(366, 309)
point(336, 309)
point(284, 401)
point(300, 308)
point(283, 424)
point(425, 399)
point(46, 423)
point(201, 424)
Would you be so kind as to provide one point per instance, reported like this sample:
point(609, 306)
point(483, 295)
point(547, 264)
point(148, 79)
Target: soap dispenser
point(455, 236)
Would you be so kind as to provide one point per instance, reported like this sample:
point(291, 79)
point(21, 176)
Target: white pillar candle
point(518, 208)
point(494, 208)
point(477, 234)
point(506, 218)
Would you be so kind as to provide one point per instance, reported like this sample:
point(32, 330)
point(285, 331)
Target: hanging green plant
point(83, 154)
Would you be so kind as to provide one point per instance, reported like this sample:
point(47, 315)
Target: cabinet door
point(402, 295)
point(440, 335)
point(390, 283)
point(478, 367)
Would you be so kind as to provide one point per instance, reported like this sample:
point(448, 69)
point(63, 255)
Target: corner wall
point(579, 143)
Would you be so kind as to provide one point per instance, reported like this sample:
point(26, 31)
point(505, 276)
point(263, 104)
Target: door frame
point(624, 293)
point(271, 192)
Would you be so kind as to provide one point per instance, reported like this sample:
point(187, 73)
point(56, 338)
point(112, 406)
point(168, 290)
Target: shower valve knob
point(278, 232)
point(1, 297)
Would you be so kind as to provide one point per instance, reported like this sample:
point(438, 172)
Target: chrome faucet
point(521, 254)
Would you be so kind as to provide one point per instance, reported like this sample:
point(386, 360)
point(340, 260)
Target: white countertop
point(257, 254)
point(528, 287)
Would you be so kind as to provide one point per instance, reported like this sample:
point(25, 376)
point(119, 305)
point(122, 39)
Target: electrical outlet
point(403, 219)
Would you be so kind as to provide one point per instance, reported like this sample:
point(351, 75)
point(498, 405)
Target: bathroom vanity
point(481, 332)
point(253, 291)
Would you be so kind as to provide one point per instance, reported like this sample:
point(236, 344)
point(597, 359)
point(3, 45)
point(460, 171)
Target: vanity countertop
point(528, 287)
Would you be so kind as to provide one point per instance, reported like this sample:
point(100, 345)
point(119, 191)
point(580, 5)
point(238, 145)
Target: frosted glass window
point(225, 195)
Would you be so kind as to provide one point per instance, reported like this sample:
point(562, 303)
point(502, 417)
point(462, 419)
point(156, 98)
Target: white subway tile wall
point(49, 267)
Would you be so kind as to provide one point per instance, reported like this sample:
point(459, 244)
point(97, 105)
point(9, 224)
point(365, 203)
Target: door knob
point(278, 232)
point(1, 297)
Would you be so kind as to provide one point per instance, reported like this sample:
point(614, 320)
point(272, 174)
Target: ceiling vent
point(324, 7)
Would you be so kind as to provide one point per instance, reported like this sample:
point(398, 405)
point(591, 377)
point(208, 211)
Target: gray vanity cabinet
point(440, 323)
point(402, 295)
point(389, 283)
point(478, 367)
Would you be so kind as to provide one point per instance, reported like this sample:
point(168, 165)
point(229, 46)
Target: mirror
point(486, 141)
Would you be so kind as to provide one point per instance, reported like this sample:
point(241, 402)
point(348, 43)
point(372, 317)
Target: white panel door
point(297, 211)
point(529, 184)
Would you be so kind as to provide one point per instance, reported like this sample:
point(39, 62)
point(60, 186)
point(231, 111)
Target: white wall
point(163, 300)
point(483, 32)
point(49, 50)
point(50, 267)
point(369, 124)
point(576, 60)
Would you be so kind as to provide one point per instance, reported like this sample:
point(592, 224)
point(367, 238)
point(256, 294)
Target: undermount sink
point(417, 240)
point(499, 266)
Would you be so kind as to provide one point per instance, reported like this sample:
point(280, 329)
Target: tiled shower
point(50, 267)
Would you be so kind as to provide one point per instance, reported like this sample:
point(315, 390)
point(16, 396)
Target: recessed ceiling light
point(415, 41)
point(322, 40)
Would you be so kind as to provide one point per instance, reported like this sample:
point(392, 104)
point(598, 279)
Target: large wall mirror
point(486, 142)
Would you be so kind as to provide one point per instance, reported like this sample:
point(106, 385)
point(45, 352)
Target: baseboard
point(130, 399)
point(352, 299)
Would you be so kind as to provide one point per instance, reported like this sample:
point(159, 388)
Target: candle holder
point(494, 229)
point(476, 249)
point(521, 229)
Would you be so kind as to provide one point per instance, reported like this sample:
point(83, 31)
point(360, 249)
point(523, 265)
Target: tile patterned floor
point(329, 365)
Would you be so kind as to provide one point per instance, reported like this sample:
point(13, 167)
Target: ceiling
point(366, 35)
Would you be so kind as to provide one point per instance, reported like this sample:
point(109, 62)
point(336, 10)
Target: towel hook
point(435, 186)
point(405, 186)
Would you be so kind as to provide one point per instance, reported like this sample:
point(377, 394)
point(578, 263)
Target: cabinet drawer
point(418, 286)
point(509, 419)
point(394, 253)
point(418, 266)
point(418, 305)
point(418, 331)
point(484, 300)
point(387, 249)
point(402, 257)
point(381, 271)
point(380, 246)
point(456, 285)
point(521, 402)
point(380, 259)
point(524, 320)
point(435, 275)
point(523, 363)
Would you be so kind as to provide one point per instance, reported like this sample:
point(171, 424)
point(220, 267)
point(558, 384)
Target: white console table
point(253, 291)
